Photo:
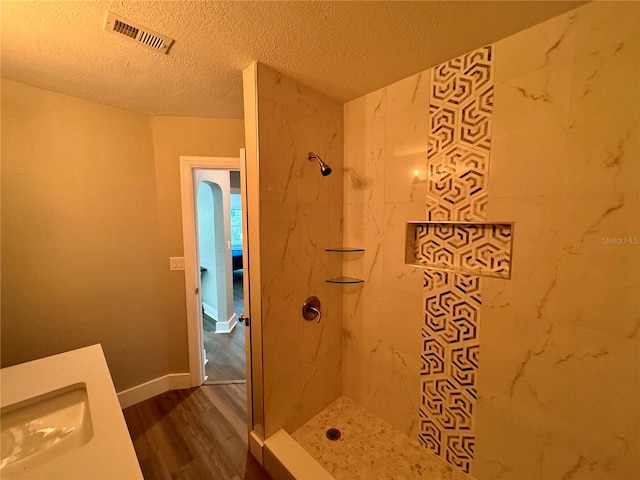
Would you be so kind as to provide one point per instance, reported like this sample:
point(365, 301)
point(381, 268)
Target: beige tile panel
point(300, 214)
point(529, 141)
point(364, 228)
point(565, 430)
point(364, 163)
point(408, 92)
point(550, 44)
point(366, 109)
point(396, 274)
point(602, 25)
point(604, 133)
point(598, 281)
point(405, 172)
point(510, 438)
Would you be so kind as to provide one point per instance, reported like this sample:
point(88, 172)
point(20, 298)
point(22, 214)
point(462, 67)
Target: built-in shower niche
point(475, 248)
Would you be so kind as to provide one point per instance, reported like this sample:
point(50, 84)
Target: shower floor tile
point(369, 448)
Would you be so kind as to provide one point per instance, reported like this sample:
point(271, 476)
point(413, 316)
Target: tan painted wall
point(89, 217)
point(79, 218)
point(173, 137)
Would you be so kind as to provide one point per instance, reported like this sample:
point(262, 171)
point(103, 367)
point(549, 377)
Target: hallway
point(226, 358)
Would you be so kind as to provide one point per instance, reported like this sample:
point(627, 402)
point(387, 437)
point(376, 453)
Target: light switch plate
point(176, 263)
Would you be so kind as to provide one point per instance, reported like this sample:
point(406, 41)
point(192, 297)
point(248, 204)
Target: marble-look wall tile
point(366, 109)
point(408, 93)
point(364, 151)
point(397, 274)
point(300, 216)
point(364, 226)
point(385, 141)
point(560, 376)
point(604, 131)
point(548, 44)
point(381, 350)
point(602, 25)
point(276, 139)
point(531, 109)
point(531, 117)
point(498, 455)
point(359, 340)
point(589, 430)
point(598, 270)
point(405, 143)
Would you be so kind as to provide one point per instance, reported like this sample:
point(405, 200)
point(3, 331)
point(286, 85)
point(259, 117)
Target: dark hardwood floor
point(225, 355)
point(195, 434)
point(226, 360)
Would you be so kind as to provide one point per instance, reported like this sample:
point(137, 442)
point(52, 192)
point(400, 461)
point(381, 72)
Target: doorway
point(219, 251)
point(252, 342)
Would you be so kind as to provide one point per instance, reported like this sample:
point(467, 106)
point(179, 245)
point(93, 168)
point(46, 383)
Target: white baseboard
point(139, 393)
point(228, 326)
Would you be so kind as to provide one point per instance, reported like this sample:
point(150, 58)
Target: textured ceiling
point(344, 49)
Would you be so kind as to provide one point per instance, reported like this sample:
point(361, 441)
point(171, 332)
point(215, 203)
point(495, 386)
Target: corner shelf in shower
point(471, 248)
point(344, 280)
point(344, 249)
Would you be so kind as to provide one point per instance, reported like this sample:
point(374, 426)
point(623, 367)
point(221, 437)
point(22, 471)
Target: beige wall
point(300, 216)
point(90, 213)
point(173, 137)
point(79, 216)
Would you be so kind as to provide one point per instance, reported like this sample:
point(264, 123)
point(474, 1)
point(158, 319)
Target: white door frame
point(191, 264)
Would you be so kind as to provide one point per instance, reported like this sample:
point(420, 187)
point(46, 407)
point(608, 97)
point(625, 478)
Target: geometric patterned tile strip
point(472, 248)
point(460, 110)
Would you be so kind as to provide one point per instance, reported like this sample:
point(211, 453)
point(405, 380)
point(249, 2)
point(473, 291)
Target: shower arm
point(324, 168)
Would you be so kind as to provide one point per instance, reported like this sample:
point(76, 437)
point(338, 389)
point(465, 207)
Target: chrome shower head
point(324, 168)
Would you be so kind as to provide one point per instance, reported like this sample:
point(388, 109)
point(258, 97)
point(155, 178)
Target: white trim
point(228, 326)
point(250, 184)
point(221, 327)
point(139, 393)
point(191, 266)
point(225, 382)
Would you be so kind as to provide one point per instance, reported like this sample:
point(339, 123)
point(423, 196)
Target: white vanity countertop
point(109, 454)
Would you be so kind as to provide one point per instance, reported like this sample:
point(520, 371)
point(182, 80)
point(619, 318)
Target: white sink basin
point(38, 429)
point(61, 420)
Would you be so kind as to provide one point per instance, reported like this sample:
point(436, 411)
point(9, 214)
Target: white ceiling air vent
point(149, 38)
